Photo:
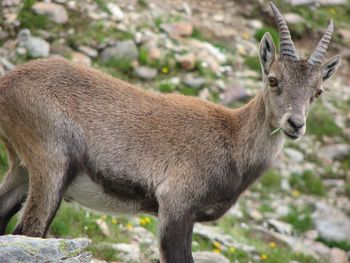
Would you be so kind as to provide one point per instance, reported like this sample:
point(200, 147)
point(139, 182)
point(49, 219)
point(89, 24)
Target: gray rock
point(209, 257)
point(331, 224)
point(193, 82)
point(36, 47)
point(336, 152)
point(80, 58)
point(280, 227)
point(233, 94)
point(122, 50)
point(214, 234)
point(338, 256)
point(128, 253)
point(91, 52)
point(116, 12)
point(294, 155)
point(317, 2)
point(7, 64)
point(55, 12)
point(146, 73)
point(29, 249)
point(293, 18)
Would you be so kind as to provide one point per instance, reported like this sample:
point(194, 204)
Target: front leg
point(175, 235)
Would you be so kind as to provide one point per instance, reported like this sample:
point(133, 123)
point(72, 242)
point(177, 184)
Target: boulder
point(55, 12)
point(30, 249)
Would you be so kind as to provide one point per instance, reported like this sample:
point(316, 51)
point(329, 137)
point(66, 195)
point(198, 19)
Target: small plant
point(271, 180)
point(347, 189)
point(142, 3)
point(307, 183)
point(253, 63)
point(166, 87)
point(274, 33)
point(320, 123)
point(300, 218)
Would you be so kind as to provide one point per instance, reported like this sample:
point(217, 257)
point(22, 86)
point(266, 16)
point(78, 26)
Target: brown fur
point(181, 158)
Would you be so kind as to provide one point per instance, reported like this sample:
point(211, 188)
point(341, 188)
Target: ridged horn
point(320, 51)
point(287, 48)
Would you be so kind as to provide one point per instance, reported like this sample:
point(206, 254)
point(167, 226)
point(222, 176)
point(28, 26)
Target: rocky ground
point(299, 210)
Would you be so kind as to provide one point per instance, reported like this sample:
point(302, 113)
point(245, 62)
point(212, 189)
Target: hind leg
point(13, 189)
point(48, 180)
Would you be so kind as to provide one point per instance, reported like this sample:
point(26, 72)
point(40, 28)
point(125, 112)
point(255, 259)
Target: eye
point(272, 81)
point(318, 93)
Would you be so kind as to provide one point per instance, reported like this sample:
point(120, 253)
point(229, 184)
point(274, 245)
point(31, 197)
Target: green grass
point(273, 32)
point(347, 189)
point(338, 244)
point(253, 63)
point(271, 180)
point(300, 218)
point(320, 123)
point(308, 183)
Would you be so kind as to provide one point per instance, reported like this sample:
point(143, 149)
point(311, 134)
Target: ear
point(330, 67)
point(267, 51)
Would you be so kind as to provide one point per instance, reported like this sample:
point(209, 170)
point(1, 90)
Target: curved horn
point(320, 51)
point(287, 48)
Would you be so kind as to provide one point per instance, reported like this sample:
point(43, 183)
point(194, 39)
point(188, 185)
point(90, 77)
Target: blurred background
point(299, 210)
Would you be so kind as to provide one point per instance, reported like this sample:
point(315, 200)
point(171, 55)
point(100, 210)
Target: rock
point(336, 152)
point(194, 82)
point(89, 51)
point(146, 73)
point(55, 12)
point(331, 223)
point(103, 227)
point(209, 257)
point(128, 253)
point(147, 241)
point(154, 54)
point(187, 61)
point(317, 2)
point(81, 58)
point(280, 227)
point(116, 12)
point(123, 50)
point(293, 18)
point(297, 245)
point(294, 155)
point(2, 70)
point(255, 214)
point(183, 29)
point(344, 33)
point(234, 93)
point(7, 64)
point(29, 249)
point(213, 234)
point(36, 47)
point(338, 256)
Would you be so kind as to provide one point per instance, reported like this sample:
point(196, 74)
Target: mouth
point(291, 136)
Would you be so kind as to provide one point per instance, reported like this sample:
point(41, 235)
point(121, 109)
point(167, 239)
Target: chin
point(292, 136)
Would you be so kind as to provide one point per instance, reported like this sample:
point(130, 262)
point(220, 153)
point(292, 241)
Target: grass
point(320, 123)
point(300, 218)
point(308, 183)
point(253, 63)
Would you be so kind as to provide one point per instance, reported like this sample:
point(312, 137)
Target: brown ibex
point(73, 132)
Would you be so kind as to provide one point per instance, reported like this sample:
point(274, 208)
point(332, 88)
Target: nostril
point(294, 124)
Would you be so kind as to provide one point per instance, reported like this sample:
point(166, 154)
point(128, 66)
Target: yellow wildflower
point(272, 245)
point(232, 250)
point(165, 70)
point(215, 250)
point(129, 226)
point(147, 220)
point(246, 35)
point(295, 193)
point(264, 257)
point(114, 221)
point(217, 245)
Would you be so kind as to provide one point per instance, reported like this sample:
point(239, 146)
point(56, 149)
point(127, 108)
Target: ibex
point(75, 133)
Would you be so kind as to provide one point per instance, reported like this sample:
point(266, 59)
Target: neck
point(255, 140)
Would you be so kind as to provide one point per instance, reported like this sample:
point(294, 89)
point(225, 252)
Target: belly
point(92, 195)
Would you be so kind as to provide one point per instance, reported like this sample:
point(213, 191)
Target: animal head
point(292, 83)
